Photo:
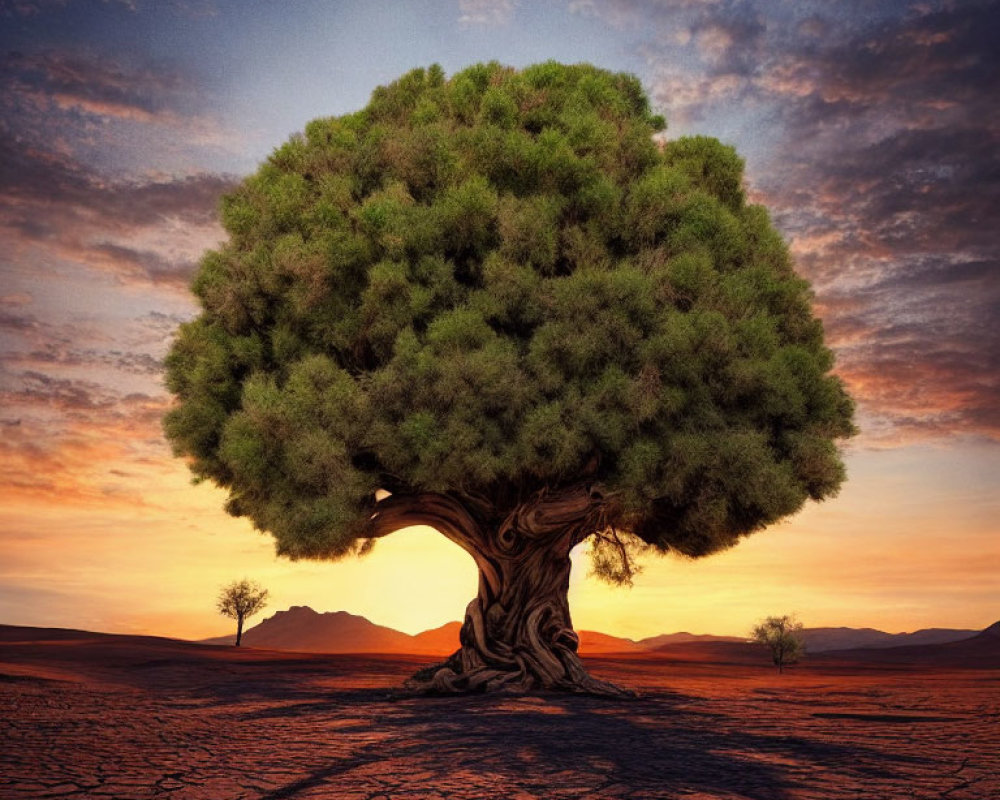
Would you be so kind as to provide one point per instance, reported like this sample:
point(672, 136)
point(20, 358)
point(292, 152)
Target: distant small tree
point(239, 600)
point(783, 636)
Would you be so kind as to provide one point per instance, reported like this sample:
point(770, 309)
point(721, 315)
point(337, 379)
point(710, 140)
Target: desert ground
point(96, 716)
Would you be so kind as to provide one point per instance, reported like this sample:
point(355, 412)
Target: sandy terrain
point(91, 716)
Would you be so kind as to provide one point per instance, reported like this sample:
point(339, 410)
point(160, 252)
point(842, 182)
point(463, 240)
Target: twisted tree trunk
point(517, 635)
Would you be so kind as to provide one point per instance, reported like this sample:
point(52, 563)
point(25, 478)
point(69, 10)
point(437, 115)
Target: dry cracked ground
point(91, 716)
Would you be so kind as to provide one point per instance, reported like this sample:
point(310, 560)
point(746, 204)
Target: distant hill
point(718, 651)
point(302, 629)
point(592, 642)
point(306, 631)
point(979, 651)
point(664, 639)
point(441, 641)
point(819, 640)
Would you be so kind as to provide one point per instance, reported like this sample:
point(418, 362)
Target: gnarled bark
point(517, 635)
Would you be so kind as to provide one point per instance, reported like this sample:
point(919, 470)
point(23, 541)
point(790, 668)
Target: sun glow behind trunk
point(151, 559)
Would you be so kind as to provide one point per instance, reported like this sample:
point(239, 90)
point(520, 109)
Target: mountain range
point(981, 651)
point(302, 629)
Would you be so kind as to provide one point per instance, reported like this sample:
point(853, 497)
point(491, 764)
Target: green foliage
point(495, 283)
point(241, 599)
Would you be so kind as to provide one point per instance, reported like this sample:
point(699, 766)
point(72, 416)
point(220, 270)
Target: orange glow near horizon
point(151, 559)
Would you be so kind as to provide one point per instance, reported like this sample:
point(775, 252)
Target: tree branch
point(442, 512)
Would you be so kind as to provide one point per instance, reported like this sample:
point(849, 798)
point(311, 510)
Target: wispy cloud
point(99, 86)
point(110, 111)
point(62, 437)
point(87, 232)
point(486, 12)
point(894, 130)
point(150, 230)
point(74, 144)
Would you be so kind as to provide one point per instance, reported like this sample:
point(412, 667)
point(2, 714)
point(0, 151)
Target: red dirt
point(88, 716)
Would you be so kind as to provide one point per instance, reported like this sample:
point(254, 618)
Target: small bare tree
point(783, 636)
point(239, 600)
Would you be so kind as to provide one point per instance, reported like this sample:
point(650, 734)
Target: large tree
point(495, 304)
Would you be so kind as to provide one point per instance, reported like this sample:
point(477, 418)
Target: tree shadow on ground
point(657, 746)
point(332, 726)
point(665, 744)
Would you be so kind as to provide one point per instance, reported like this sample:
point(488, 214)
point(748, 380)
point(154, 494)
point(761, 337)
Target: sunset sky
point(870, 130)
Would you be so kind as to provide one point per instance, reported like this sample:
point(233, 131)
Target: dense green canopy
point(499, 282)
